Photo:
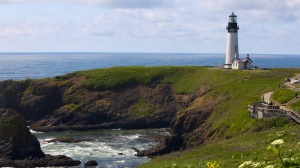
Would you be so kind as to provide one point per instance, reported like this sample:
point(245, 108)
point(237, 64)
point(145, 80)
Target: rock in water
point(91, 163)
point(67, 139)
point(19, 148)
point(17, 141)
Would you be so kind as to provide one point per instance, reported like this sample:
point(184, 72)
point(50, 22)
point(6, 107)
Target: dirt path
point(267, 96)
point(294, 100)
point(292, 87)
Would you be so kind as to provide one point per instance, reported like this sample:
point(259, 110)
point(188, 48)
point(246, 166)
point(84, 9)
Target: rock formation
point(189, 127)
point(19, 148)
point(67, 104)
point(57, 105)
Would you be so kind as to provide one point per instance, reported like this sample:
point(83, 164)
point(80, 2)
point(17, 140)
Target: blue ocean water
point(19, 66)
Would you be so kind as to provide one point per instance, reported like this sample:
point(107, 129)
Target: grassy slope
point(243, 88)
point(296, 106)
point(233, 152)
point(121, 76)
point(283, 96)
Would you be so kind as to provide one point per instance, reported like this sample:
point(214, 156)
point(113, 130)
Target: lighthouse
point(232, 50)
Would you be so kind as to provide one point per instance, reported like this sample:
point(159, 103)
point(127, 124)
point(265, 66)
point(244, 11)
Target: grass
point(121, 76)
point(296, 106)
point(251, 146)
point(282, 96)
point(71, 107)
point(230, 118)
point(240, 87)
point(142, 109)
point(233, 133)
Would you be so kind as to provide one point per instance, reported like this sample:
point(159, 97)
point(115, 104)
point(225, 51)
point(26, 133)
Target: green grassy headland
point(243, 139)
point(283, 96)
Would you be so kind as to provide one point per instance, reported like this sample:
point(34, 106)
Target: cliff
point(71, 103)
point(19, 148)
point(199, 104)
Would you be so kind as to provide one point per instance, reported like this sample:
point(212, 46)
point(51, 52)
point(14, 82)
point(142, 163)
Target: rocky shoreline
point(19, 148)
point(59, 105)
point(67, 104)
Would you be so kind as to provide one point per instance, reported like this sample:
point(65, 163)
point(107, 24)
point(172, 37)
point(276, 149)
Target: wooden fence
point(263, 110)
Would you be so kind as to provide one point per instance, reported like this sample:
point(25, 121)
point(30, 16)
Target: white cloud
point(103, 3)
point(157, 23)
point(27, 29)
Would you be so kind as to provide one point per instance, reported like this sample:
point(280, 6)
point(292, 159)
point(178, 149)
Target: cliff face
point(32, 99)
point(67, 104)
point(19, 148)
point(142, 97)
point(17, 141)
point(189, 128)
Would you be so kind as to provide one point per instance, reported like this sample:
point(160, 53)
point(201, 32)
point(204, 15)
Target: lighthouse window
point(232, 20)
point(236, 48)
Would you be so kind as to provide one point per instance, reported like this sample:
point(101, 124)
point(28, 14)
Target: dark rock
point(17, 141)
point(169, 144)
point(68, 140)
point(189, 127)
point(135, 149)
point(84, 109)
point(19, 148)
point(67, 104)
point(91, 163)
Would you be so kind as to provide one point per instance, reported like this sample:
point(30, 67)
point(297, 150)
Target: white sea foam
point(110, 148)
point(132, 137)
point(120, 161)
point(35, 132)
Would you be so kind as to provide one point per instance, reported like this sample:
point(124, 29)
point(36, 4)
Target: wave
point(35, 132)
point(110, 148)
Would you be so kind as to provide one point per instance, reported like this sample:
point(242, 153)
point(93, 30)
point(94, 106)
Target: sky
point(156, 26)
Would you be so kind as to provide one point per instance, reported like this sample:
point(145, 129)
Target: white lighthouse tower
point(232, 50)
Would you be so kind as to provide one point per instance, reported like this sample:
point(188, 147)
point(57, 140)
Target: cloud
point(27, 29)
point(157, 23)
point(104, 3)
point(129, 3)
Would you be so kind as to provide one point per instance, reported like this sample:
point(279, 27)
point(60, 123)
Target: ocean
point(112, 148)
point(18, 66)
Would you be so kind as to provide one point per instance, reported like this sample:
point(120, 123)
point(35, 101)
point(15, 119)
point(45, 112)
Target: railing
point(250, 108)
point(272, 110)
point(295, 117)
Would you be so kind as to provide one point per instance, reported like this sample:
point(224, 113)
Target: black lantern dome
point(232, 24)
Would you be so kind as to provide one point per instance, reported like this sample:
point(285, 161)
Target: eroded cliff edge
point(69, 103)
point(57, 105)
point(199, 104)
point(19, 148)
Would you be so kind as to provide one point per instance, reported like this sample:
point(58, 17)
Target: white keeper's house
point(233, 60)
